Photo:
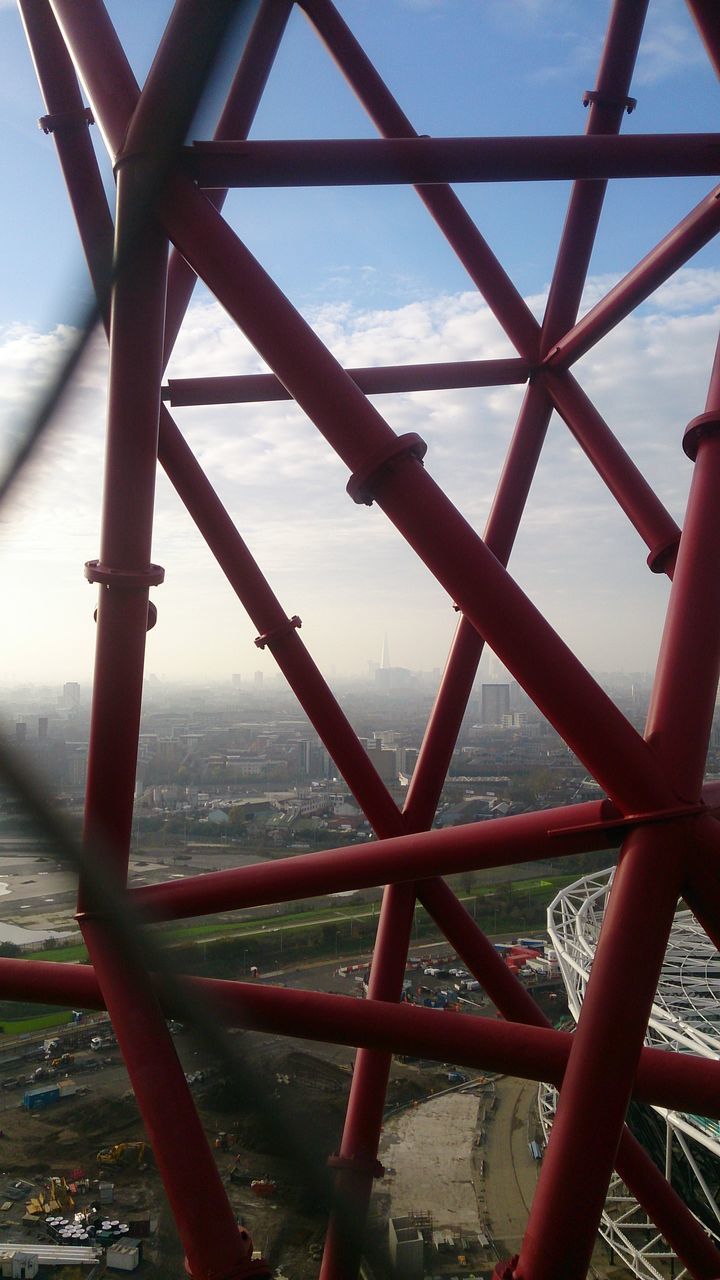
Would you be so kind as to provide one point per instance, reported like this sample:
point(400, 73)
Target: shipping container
point(41, 1096)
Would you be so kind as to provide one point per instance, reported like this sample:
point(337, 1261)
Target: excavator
point(128, 1154)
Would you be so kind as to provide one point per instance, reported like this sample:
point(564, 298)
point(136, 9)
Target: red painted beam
point(615, 1011)
point(271, 620)
point(353, 427)
point(425, 161)
point(677, 247)
point(125, 573)
point(638, 918)
point(707, 20)
point(605, 113)
point(64, 101)
point(681, 711)
point(258, 387)
point(235, 121)
point(441, 202)
point(460, 561)
point(680, 1082)
point(631, 491)
point(368, 1090)
point(526, 837)
point(645, 1181)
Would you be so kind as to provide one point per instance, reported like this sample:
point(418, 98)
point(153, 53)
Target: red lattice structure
point(657, 807)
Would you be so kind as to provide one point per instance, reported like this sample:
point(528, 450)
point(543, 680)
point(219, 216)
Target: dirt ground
point(281, 1130)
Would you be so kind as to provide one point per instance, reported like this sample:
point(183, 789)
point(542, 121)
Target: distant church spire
point(385, 659)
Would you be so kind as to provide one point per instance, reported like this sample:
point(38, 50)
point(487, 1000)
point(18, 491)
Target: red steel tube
point(681, 711)
point(134, 401)
point(631, 491)
point(206, 508)
point(416, 505)
point(476, 951)
point(102, 65)
point(524, 837)
point(586, 200)
point(707, 20)
point(677, 247)
point(501, 613)
point(679, 1082)
point(453, 695)
point(642, 903)
point(184, 1159)
point(702, 889)
point(369, 1084)
point(366, 1103)
point(63, 99)
point(441, 202)
point(253, 387)
point(427, 161)
point(168, 1112)
point(268, 616)
point(583, 1144)
point(645, 1181)
point(604, 117)
point(675, 1081)
point(235, 121)
point(277, 331)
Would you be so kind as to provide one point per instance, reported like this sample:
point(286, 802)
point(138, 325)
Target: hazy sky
point(374, 277)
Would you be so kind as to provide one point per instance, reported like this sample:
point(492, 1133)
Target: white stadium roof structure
point(686, 1018)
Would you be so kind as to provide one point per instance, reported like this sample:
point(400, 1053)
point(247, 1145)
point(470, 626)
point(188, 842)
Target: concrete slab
point(430, 1149)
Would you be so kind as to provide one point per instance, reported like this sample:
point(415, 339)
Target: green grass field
point(45, 1022)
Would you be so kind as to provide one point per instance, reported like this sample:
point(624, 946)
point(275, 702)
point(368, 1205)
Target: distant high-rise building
point(20, 731)
point(71, 694)
point(258, 678)
point(77, 767)
point(236, 679)
point(385, 656)
point(494, 703)
point(386, 762)
point(42, 728)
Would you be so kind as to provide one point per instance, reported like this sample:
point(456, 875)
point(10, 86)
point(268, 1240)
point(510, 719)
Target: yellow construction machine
point(127, 1154)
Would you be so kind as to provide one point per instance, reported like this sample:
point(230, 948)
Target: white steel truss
point(685, 1017)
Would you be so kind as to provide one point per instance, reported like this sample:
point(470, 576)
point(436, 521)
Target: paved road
point(510, 1171)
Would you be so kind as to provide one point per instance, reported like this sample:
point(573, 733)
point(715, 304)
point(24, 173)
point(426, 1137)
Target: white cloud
point(670, 44)
point(343, 568)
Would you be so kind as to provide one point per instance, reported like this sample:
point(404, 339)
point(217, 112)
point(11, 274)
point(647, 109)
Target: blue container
point(42, 1096)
